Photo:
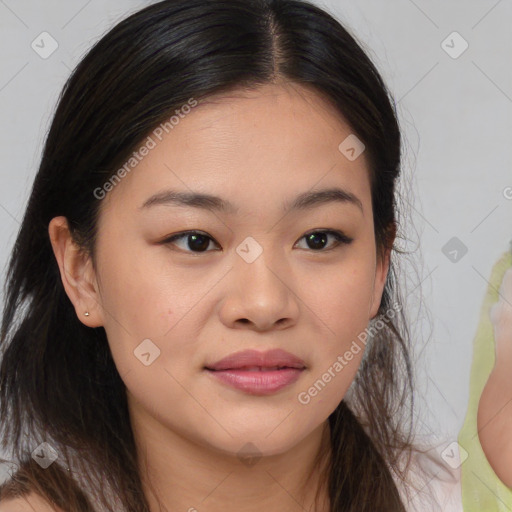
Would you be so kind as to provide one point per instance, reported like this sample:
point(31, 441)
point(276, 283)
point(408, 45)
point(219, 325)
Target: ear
point(77, 273)
point(381, 273)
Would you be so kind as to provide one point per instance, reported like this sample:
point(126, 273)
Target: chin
point(255, 445)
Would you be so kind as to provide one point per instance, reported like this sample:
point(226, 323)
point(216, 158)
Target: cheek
point(341, 300)
point(137, 294)
point(137, 304)
point(143, 302)
point(341, 304)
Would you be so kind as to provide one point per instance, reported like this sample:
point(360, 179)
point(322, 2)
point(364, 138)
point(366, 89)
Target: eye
point(196, 241)
point(317, 239)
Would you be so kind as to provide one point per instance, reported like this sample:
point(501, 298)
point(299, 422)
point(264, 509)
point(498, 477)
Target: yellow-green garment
point(482, 490)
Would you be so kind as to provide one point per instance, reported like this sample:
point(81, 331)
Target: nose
point(259, 297)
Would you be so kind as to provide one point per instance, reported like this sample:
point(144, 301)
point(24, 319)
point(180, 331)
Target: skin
point(494, 418)
point(256, 149)
point(30, 503)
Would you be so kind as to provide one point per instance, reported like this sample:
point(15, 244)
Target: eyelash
point(340, 237)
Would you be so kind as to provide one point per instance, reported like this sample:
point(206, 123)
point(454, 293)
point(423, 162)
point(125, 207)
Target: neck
point(179, 474)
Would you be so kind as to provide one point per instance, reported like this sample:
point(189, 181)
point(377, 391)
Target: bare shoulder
point(31, 503)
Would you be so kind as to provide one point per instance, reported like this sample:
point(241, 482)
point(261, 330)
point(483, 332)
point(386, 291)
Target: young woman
point(266, 367)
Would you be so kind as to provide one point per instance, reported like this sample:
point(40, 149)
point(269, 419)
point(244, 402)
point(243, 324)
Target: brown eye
point(198, 242)
point(317, 240)
point(194, 241)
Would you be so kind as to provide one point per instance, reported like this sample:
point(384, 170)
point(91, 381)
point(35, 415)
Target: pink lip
point(235, 371)
point(268, 359)
point(258, 382)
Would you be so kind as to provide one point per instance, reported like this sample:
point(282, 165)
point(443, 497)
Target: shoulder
point(28, 503)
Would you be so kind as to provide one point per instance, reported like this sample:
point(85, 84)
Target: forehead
point(263, 144)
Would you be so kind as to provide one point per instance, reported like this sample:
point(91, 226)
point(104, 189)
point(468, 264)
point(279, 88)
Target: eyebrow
point(304, 201)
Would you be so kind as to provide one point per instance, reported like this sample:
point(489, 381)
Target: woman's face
point(250, 279)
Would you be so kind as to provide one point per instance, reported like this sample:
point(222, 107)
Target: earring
point(86, 313)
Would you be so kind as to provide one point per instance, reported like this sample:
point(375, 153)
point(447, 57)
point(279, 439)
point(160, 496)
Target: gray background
point(456, 115)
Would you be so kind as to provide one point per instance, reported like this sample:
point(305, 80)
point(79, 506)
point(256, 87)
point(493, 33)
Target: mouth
point(257, 380)
point(255, 368)
point(253, 360)
point(257, 373)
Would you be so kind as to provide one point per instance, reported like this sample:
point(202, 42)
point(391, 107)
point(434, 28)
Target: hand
point(494, 417)
point(501, 318)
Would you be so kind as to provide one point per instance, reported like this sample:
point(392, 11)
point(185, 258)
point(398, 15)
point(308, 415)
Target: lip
point(268, 359)
point(255, 372)
point(258, 382)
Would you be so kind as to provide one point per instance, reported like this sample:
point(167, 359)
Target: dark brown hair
point(58, 381)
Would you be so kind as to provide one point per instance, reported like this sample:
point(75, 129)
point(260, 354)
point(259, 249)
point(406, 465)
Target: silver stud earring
point(86, 313)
